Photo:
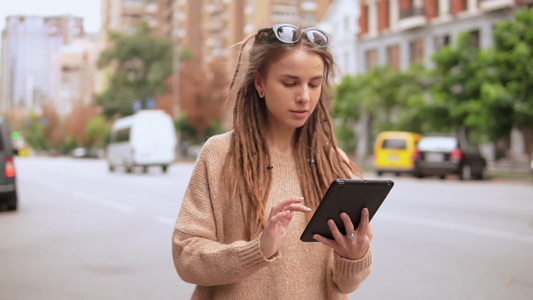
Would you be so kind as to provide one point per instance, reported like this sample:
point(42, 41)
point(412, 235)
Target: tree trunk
point(528, 140)
point(364, 137)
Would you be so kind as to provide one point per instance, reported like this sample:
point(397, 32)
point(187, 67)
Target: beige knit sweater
point(210, 250)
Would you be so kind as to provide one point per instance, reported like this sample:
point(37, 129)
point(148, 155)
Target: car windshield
point(394, 144)
point(437, 143)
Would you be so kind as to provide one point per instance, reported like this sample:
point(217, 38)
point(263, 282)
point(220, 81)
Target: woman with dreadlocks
point(253, 188)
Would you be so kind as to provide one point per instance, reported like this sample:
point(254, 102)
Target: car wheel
point(111, 168)
point(145, 169)
point(442, 176)
point(164, 168)
point(484, 175)
point(13, 203)
point(129, 169)
point(12, 206)
point(466, 173)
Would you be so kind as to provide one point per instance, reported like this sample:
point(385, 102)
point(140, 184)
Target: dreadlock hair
point(319, 161)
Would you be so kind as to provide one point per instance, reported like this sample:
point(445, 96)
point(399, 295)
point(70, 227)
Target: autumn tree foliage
point(53, 129)
point(76, 123)
point(202, 95)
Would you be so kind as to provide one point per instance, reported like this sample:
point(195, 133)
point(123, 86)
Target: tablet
point(350, 196)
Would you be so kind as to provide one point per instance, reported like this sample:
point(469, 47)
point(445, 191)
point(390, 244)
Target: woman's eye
point(289, 84)
point(314, 85)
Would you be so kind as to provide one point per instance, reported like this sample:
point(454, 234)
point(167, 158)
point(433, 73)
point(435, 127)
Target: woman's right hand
point(276, 225)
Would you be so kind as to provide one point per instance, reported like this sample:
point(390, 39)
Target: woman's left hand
point(355, 243)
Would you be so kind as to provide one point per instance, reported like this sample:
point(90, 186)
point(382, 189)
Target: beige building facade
point(76, 76)
point(209, 28)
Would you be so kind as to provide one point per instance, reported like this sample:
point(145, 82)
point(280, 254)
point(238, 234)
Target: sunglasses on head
point(288, 34)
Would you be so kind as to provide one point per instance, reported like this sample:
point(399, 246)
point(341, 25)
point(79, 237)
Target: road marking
point(165, 220)
point(105, 202)
point(458, 227)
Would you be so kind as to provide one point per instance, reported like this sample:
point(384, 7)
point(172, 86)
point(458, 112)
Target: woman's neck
point(281, 142)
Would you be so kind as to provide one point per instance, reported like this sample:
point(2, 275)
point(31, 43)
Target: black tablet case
point(350, 196)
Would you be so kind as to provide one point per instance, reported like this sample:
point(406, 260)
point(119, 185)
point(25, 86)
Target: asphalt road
point(84, 233)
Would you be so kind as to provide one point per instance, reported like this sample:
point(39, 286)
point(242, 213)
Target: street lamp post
point(175, 93)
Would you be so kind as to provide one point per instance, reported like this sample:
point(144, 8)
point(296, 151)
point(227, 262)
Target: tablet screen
point(350, 196)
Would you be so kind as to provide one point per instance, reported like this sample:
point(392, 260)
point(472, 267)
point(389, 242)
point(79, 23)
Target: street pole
point(175, 94)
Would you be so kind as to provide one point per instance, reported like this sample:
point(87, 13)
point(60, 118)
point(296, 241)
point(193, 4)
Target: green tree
point(456, 89)
point(192, 133)
point(510, 99)
point(376, 97)
point(139, 64)
point(33, 131)
point(96, 131)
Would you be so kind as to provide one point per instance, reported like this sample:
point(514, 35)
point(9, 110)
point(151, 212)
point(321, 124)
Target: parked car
point(394, 150)
point(86, 153)
point(443, 155)
point(8, 185)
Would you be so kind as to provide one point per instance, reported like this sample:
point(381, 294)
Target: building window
point(441, 41)
point(411, 8)
point(132, 3)
point(363, 19)
point(416, 51)
point(383, 14)
point(458, 6)
point(308, 18)
point(284, 13)
point(393, 56)
point(474, 38)
point(371, 58)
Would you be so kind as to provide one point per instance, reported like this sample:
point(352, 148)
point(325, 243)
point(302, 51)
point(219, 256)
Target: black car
point(8, 186)
point(448, 155)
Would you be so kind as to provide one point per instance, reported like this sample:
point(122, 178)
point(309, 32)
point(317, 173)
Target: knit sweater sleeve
point(348, 274)
point(198, 257)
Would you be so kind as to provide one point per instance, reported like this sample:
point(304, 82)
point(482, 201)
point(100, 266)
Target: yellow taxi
point(394, 152)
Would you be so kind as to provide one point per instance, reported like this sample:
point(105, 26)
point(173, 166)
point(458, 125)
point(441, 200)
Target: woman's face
point(291, 88)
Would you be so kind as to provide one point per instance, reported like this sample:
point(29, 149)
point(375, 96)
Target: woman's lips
point(299, 113)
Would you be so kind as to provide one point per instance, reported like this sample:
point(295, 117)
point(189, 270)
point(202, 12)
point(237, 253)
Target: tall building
point(401, 32)
point(29, 44)
point(229, 22)
point(208, 28)
point(123, 15)
point(341, 22)
point(76, 75)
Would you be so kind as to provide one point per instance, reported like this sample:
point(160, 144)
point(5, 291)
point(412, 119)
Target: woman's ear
point(258, 82)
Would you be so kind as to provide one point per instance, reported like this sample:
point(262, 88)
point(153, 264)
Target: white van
point(147, 138)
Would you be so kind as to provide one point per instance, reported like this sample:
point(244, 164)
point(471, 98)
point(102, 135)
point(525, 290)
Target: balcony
point(488, 5)
point(412, 18)
point(309, 6)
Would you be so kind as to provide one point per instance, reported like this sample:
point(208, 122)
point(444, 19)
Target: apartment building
point(76, 75)
point(209, 28)
point(29, 44)
point(124, 15)
point(341, 23)
point(401, 32)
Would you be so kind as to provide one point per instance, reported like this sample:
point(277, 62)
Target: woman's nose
point(303, 95)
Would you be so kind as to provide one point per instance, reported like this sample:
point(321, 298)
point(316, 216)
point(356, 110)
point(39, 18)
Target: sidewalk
point(515, 180)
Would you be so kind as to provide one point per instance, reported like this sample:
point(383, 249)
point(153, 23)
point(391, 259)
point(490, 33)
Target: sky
point(89, 10)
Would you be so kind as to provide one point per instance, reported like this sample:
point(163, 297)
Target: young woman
point(253, 189)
